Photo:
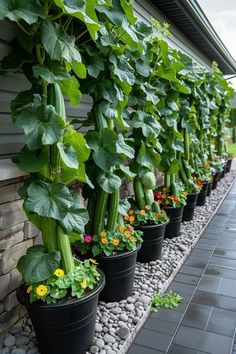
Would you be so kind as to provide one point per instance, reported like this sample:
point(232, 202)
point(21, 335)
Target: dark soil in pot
point(189, 208)
point(153, 236)
point(175, 215)
point(215, 180)
point(201, 199)
point(66, 327)
point(119, 271)
point(209, 189)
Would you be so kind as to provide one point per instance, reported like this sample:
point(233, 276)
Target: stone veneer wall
point(16, 235)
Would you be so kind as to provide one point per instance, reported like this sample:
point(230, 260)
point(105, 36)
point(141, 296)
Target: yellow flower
point(116, 242)
point(29, 289)
point(41, 290)
point(84, 284)
point(132, 239)
point(59, 272)
point(93, 261)
point(121, 229)
point(104, 240)
point(102, 234)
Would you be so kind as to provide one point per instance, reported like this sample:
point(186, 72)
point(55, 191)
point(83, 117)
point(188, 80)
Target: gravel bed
point(117, 320)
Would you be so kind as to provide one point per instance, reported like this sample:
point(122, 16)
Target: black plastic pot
point(228, 165)
point(190, 207)
point(119, 271)
point(64, 328)
point(175, 215)
point(223, 172)
point(209, 189)
point(201, 199)
point(215, 180)
point(152, 242)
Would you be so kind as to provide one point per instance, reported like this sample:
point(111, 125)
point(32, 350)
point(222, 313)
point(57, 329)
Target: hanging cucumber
point(182, 171)
point(149, 197)
point(113, 210)
point(156, 207)
point(186, 144)
point(148, 180)
point(100, 212)
point(138, 191)
point(120, 220)
point(173, 188)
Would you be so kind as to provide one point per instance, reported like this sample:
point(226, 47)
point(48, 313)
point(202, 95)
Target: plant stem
point(100, 212)
point(48, 229)
point(113, 210)
point(65, 250)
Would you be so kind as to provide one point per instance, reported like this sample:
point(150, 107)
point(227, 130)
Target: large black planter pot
point(209, 189)
point(119, 271)
point(228, 165)
point(201, 199)
point(175, 215)
point(190, 207)
point(215, 180)
point(64, 327)
point(152, 242)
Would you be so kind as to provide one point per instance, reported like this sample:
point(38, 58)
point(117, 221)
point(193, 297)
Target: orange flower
point(131, 218)
point(159, 201)
point(116, 242)
point(102, 234)
point(156, 215)
point(164, 189)
point(132, 239)
point(172, 197)
point(167, 202)
point(121, 229)
point(142, 212)
point(163, 196)
point(104, 240)
point(127, 233)
point(177, 200)
point(126, 217)
point(131, 211)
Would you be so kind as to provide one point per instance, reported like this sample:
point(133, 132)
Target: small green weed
point(168, 301)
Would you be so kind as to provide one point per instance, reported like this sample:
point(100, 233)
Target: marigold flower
point(147, 207)
point(116, 242)
point(131, 211)
point(104, 240)
point(177, 200)
point(84, 284)
point(121, 229)
point(156, 215)
point(172, 197)
point(159, 201)
point(164, 189)
point(41, 290)
point(131, 218)
point(142, 212)
point(127, 233)
point(88, 238)
point(29, 289)
point(167, 202)
point(102, 234)
point(59, 272)
point(132, 239)
point(163, 196)
point(126, 217)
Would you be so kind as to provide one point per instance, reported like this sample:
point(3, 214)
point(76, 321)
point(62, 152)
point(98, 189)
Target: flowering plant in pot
point(55, 286)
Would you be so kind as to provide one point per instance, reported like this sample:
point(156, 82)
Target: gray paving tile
point(215, 300)
point(138, 349)
point(219, 271)
point(219, 252)
point(179, 349)
point(203, 340)
point(197, 316)
point(185, 289)
point(200, 254)
point(185, 269)
point(209, 283)
point(222, 322)
point(228, 287)
point(187, 279)
point(223, 262)
point(173, 315)
point(160, 325)
point(153, 340)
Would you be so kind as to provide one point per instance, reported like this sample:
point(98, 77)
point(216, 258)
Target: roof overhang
point(189, 18)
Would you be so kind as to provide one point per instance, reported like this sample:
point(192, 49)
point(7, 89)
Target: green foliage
point(168, 301)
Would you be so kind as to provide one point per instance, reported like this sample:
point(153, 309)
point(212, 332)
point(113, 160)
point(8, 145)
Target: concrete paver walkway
point(206, 320)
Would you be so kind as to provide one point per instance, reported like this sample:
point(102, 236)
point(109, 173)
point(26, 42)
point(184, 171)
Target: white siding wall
point(11, 139)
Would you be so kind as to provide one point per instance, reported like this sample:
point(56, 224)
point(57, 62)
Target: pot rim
point(119, 255)
point(171, 207)
point(154, 226)
point(97, 289)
